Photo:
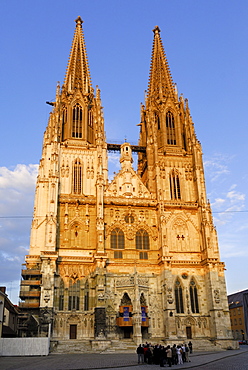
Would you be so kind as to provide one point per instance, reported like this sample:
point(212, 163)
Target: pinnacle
point(79, 21)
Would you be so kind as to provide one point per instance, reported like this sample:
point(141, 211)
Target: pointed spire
point(78, 74)
point(160, 81)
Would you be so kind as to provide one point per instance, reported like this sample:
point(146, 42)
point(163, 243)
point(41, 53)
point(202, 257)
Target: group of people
point(162, 355)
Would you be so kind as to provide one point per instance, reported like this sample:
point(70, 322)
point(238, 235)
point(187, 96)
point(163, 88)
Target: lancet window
point(142, 242)
point(64, 121)
point(61, 296)
point(117, 239)
point(175, 190)
point(86, 297)
point(179, 297)
point(74, 295)
point(90, 131)
point(193, 297)
point(170, 129)
point(77, 177)
point(77, 120)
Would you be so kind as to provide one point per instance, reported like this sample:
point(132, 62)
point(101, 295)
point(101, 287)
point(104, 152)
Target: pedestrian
point(174, 355)
point(140, 352)
point(179, 355)
point(169, 355)
point(190, 347)
point(187, 353)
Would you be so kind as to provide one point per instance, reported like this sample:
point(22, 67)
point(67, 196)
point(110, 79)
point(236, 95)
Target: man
point(140, 352)
point(169, 355)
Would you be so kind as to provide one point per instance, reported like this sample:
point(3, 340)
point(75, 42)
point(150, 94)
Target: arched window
point(170, 129)
point(86, 297)
point(61, 296)
point(77, 177)
point(64, 121)
point(193, 297)
point(90, 131)
point(157, 121)
point(179, 297)
point(142, 239)
point(74, 295)
point(175, 185)
point(142, 242)
point(77, 119)
point(117, 239)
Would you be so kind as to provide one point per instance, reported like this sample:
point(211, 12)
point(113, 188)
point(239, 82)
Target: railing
point(29, 293)
point(29, 305)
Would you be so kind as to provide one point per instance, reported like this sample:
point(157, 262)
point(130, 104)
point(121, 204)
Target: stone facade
point(136, 257)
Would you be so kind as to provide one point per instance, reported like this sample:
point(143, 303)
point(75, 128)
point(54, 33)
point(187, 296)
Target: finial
point(79, 21)
point(156, 30)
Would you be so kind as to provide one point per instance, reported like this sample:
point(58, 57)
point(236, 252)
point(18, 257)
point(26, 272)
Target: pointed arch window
point(77, 120)
point(170, 129)
point(193, 297)
point(142, 239)
point(77, 177)
point(157, 121)
point(175, 190)
point(179, 297)
point(64, 121)
point(61, 296)
point(74, 295)
point(86, 297)
point(117, 239)
point(90, 131)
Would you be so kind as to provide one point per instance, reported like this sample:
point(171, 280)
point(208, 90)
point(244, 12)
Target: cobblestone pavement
point(227, 360)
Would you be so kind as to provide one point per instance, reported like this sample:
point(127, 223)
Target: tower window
point(117, 240)
point(90, 131)
point(143, 256)
point(193, 297)
point(77, 118)
point(86, 297)
point(175, 186)
point(118, 254)
point(179, 297)
point(77, 177)
point(157, 121)
point(170, 129)
point(142, 240)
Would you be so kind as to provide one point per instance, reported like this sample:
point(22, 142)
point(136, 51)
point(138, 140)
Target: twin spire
point(160, 83)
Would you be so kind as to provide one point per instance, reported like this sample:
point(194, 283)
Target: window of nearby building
point(74, 295)
point(193, 297)
point(179, 297)
point(175, 185)
point(117, 240)
point(240, 321)
point(235, 321)
point(77, 177)
point(170, 128)
point(77, 119)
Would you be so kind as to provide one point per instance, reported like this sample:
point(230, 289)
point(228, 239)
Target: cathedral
point(135, 258)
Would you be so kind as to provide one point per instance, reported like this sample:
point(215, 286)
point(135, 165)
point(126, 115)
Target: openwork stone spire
point(160, 83)
point(78, 74)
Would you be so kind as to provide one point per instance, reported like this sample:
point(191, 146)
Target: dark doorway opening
point(73, 331)
point(188, 332)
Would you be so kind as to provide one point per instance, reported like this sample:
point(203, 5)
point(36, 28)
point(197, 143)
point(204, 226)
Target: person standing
point(179, 355)
point(187, 353)
point(190, 347)
point(140, 352)
point(169, 355)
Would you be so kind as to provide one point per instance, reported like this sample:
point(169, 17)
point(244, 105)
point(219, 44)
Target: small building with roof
point(238, 306)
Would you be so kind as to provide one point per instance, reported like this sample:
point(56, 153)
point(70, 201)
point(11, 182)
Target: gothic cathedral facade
point(136, 257)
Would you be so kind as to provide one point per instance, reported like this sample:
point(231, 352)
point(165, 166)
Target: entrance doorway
point(188, 332)
point(73, 331)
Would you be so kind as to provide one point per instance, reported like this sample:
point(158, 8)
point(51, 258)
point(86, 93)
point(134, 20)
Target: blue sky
point(206, 46)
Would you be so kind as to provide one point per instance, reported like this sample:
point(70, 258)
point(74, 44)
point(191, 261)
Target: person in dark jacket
point(140, 352)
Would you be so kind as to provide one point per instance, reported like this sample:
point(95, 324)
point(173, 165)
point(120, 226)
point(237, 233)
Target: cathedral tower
point(136, 257)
